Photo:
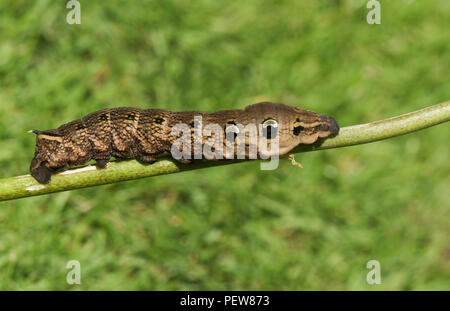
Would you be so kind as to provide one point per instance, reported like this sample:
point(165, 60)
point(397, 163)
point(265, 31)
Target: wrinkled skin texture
point(145, 135)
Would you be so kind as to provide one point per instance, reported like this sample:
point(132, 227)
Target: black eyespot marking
point(269, 132)
point(103, 117)
point(297, 120)
point(298, 129)
point(231, 131)
point(159, 120)
point(270, 128)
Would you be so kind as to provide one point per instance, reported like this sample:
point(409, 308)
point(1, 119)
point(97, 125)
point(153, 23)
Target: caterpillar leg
point(102, 163)
point(184, 161)
point(295, 163)
point(146, 159)
point(42, 174)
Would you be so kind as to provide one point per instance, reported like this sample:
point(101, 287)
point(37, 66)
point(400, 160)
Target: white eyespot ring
point(270, 128)
point(232, 128)
point(231, 131)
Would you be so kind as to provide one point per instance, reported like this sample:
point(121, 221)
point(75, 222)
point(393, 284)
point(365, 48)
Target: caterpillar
point(148, 134)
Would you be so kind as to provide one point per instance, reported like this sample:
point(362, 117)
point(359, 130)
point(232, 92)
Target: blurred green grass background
point(234, 227)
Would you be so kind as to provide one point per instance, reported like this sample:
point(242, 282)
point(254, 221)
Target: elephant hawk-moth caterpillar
point(146, 134)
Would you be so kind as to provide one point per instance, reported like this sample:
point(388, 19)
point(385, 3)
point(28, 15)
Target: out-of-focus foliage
point(232, 227)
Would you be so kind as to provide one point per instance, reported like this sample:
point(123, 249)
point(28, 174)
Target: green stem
point(25, 186)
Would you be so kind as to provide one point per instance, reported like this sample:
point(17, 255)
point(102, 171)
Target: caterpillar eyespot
point(231, 131)
point(270, 128)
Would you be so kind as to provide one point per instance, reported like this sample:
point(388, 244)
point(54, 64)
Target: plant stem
point(25, 186)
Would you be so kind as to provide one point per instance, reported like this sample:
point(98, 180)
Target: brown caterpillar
point(146, 134)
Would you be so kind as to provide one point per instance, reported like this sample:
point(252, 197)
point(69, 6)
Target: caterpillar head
point(290, 125)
